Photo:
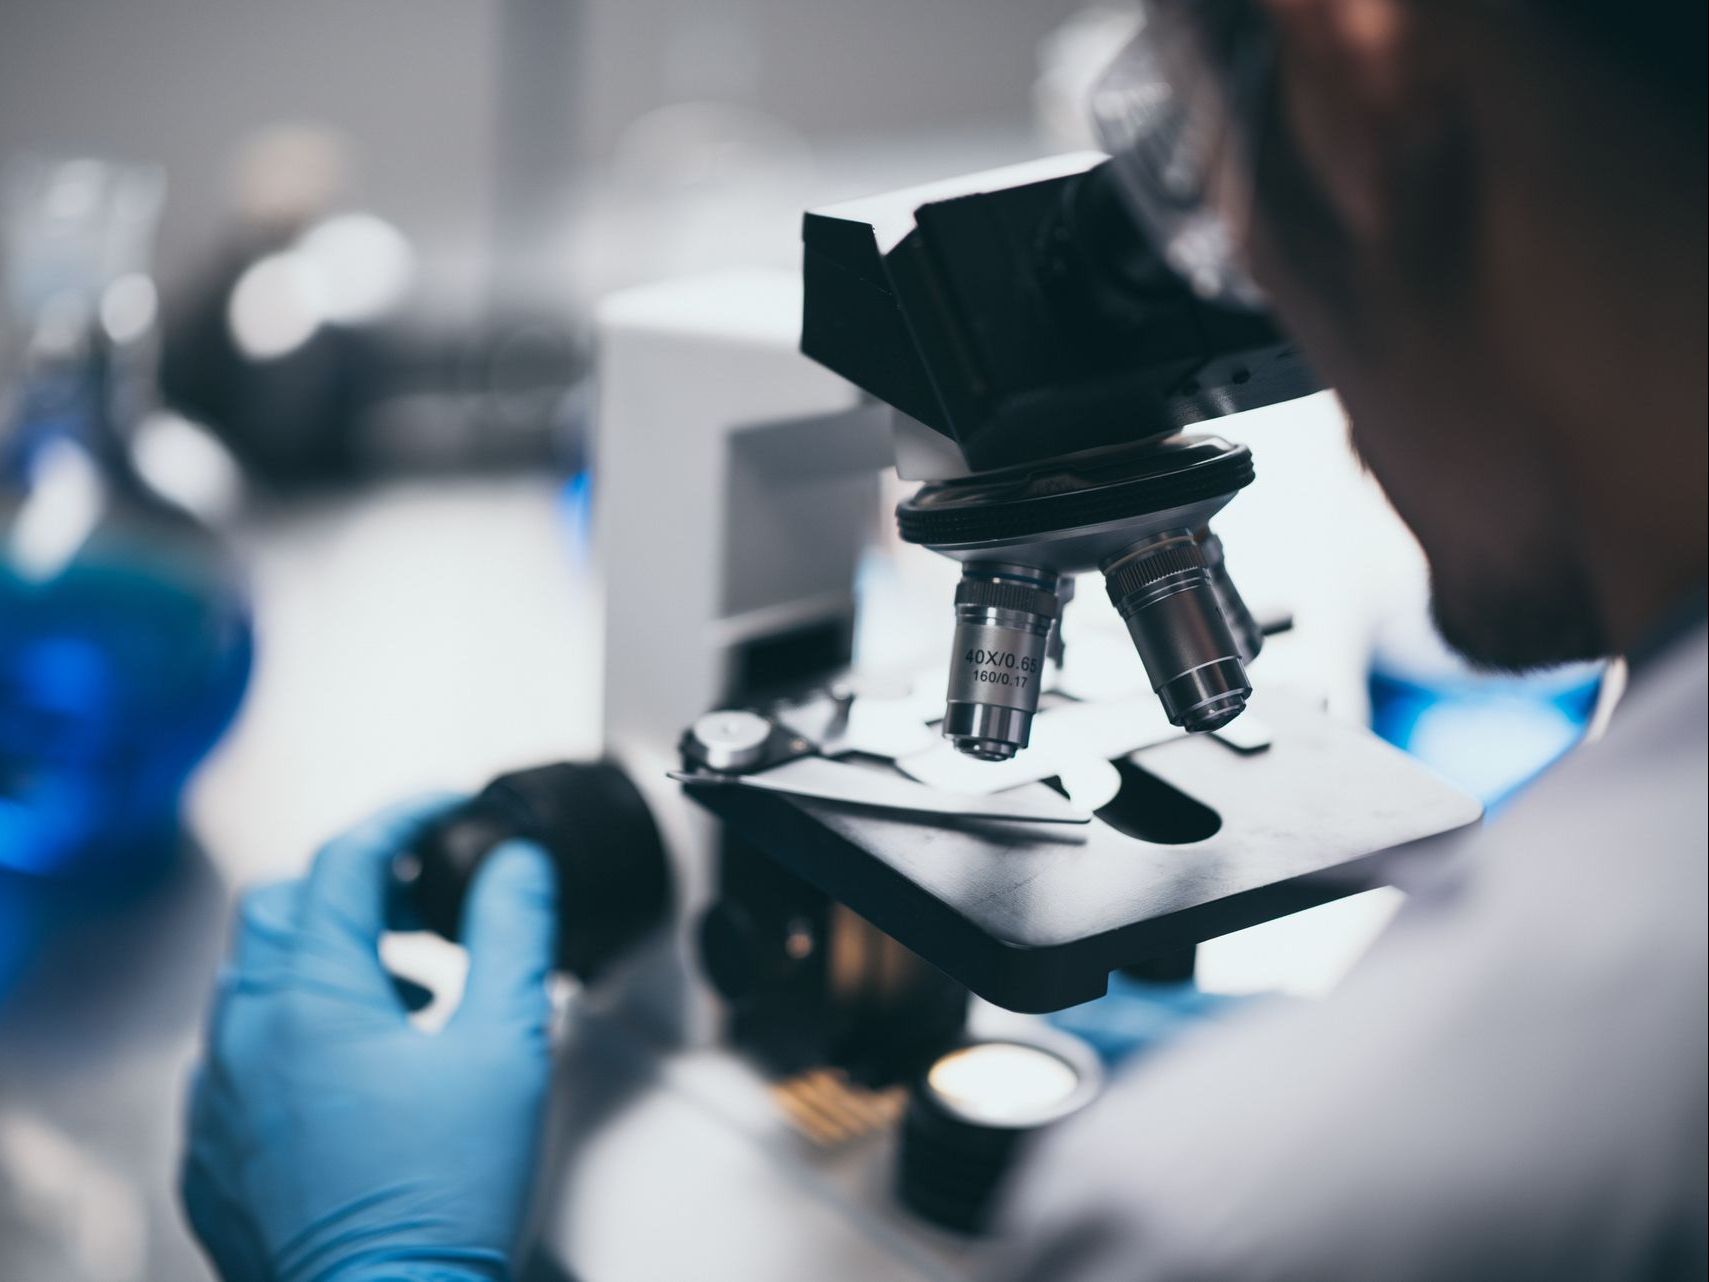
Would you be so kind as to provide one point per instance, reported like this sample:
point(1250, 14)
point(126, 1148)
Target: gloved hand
point(329, 1137)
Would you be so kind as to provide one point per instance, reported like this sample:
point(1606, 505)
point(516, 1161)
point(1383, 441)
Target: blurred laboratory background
point(295, 382)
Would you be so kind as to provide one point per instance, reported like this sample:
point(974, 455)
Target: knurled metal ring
point(992, 595)
point(1140, 570)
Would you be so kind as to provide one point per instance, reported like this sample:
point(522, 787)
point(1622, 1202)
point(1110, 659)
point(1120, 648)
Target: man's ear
point(1352, 89)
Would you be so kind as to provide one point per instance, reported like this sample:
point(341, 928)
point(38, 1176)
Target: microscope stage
point(1204, 840)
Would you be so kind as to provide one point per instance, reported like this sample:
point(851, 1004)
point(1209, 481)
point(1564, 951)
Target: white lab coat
point(1511, 1086)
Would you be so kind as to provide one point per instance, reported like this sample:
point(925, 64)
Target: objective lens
point(1165, 593)
point(1003, 620)
point(1247, 634)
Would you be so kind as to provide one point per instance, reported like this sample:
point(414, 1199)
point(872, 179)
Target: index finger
point(343, 909)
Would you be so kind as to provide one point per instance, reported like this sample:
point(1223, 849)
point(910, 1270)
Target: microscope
point(809, 892)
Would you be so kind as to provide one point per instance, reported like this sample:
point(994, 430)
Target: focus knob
point(613, 878)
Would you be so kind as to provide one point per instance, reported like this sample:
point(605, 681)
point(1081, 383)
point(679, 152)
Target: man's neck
point(1640, 500)
point(1636, 470)
point(1600, 312)
point(1686, 619)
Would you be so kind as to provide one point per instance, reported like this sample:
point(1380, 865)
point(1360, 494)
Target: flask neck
point(73, 387)
point(80, 311)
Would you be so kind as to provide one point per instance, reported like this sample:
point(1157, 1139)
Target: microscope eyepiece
point(1004, 617)
point(1167, 596)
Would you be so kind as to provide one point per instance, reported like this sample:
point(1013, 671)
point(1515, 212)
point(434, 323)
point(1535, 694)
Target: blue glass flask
point(125, 637)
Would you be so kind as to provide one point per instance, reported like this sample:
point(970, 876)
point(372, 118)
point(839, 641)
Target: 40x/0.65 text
point(1000, 659)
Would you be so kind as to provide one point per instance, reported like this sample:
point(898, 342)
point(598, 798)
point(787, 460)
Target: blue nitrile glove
point(332, 1139)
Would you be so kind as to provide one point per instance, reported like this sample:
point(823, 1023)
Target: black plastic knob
point(969, 1113)
point(613, 877)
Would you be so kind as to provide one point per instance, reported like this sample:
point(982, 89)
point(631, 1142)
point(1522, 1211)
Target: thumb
point(510, 929)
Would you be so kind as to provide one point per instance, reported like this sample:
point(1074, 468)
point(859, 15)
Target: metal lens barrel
point(1166, 594)
point(1247, 634)
point(1004, 616)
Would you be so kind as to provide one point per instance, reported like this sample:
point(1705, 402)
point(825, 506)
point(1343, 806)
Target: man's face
point(1387, 299)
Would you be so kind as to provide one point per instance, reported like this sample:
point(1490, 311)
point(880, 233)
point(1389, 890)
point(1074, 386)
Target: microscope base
point(676, 1163)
